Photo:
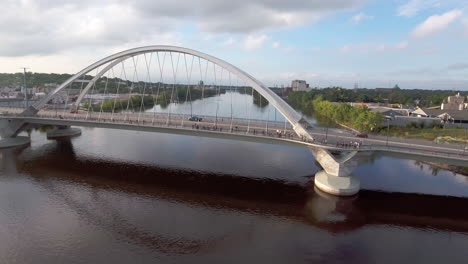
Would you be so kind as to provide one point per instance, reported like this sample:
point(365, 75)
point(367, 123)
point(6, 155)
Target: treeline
point(163, 98)
point(413, 97)
point(32, 79)
point(358, 117)
point(134, 103)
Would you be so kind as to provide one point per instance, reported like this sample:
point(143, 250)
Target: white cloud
point(40, 27)
point(465, 24)
point(229, 42)
point(373, 47)
point(346, 48)
point(413, 7)
point(436, 23)
point(253, 42)
point(280, 46)
point(458, 66)
point(402, 45)
point(360, 17)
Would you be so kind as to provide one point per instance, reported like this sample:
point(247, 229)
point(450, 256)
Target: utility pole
point(24, 85)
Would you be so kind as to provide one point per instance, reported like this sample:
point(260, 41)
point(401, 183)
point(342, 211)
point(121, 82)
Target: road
point(328, 137)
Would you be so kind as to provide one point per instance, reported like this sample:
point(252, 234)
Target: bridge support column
point(63, 131)
point(8, 131)
point(336, 178)
point(12, 142)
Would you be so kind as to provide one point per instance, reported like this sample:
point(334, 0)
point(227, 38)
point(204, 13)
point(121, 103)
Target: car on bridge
point(362, 135)
point(195, 118)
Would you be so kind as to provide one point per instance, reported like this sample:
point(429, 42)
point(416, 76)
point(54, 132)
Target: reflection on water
point(114, 196)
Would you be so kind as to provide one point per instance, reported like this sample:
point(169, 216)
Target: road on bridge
point(327, 137)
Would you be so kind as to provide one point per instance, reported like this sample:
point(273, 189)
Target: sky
point(371, 43)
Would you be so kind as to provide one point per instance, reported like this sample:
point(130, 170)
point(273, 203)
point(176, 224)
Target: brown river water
point(113, 196)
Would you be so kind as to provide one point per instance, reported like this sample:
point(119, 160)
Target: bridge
point(120, 92)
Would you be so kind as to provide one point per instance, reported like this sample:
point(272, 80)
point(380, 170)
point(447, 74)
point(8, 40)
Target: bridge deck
point(221, 127)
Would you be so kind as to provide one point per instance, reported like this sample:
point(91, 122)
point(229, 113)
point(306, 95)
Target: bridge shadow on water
point(260, 196)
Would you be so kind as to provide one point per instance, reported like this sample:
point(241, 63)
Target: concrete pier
point(14, 142)
point(342, 186)
point(336, 176)
point(62, 132)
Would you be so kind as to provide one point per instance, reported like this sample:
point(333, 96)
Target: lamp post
point(388, 130)
point(25, 89)
point(466, 141)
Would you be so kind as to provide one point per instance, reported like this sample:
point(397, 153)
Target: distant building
point(390, 113)
point(299, 85)
point(200, 85)
point(455, 102)
point(450, 116)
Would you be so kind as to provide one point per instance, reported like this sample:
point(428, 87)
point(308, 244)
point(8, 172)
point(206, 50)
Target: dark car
point(194, 118)
point(362, 135)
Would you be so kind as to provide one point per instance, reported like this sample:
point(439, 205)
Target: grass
point(451, 135)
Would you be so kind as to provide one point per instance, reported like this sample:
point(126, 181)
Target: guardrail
point(223, 128)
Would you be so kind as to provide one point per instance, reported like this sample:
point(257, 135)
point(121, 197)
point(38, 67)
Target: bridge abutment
point(336, 178)
point(63, 131)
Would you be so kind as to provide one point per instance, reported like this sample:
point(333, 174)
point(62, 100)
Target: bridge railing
point(257, 128)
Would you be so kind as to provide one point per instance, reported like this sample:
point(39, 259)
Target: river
point(111, 196)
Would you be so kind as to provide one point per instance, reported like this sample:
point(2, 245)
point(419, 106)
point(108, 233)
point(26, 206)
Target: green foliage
point(358, 117)
point(429, 133)
point(426, 98)
point(134, 103)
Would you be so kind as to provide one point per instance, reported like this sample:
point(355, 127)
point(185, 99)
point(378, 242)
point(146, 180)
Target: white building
point(455, 102)
point(299, 85)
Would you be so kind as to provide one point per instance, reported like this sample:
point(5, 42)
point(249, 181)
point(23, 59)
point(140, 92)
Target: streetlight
point(388, 129)
point(466, 141)
point(24, 85)
point(326, 131)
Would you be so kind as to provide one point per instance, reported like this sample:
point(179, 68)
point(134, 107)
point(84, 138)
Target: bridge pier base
point(63, 131)
point(12, 142)
point(336, 178)
point(336, 185)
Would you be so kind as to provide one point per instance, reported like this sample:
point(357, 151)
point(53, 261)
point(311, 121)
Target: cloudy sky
point(415, 43)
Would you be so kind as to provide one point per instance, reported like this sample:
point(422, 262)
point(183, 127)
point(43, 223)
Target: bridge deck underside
point(245, 130)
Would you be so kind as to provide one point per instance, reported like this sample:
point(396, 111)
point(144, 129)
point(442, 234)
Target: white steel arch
point(285, 109)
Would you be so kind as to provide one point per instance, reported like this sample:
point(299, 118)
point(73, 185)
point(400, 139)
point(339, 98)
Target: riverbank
point(357, 118)
point(452, 168)
point(449, 135)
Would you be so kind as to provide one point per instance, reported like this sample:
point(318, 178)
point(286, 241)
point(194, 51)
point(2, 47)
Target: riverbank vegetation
point(164, 97)
point(435, 133)
point(356, 117)
point(419, 97)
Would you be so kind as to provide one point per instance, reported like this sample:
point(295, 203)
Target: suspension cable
point(91, 95)
point(81, 88)
point(142, 95)
point(250, 111)
point(161, 69)
point(174, 72)
point(119, 81)
point(189, 78)
point(102, 103)
point(230, 91)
